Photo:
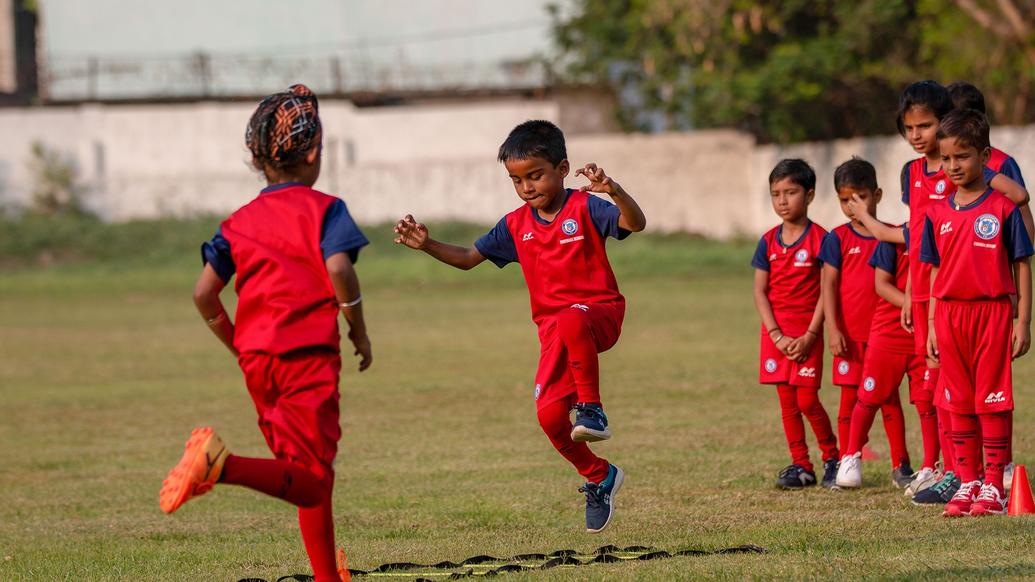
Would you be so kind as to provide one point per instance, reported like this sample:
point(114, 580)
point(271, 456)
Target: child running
point(979, 251)
point(558, 236)
point(292, 249)
point(787, 297)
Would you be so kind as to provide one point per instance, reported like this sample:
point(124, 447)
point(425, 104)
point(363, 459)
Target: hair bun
point(301, 90)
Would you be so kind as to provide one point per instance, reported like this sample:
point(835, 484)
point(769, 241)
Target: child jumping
point(558, 236)
point(292, 249)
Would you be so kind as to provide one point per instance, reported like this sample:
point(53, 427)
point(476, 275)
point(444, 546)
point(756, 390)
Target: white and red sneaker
point(990, 501)
point(963, 500)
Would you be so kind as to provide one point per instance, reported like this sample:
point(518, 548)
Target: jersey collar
point(980, 199)
point(280, 186)
point(541, 220)
point(779, 236)
point(857, 233)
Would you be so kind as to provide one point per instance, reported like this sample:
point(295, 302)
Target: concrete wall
point(436, 161)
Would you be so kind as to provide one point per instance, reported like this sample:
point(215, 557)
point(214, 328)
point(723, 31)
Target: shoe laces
point(592, 411)
point(989, 492)
point(965, 491)
point(594, 494)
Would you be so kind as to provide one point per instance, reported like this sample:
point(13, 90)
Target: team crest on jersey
point(538, 390)
point(801, 256)
point(770, 365)
point(869, 384)
point(569, 226)
point(843, 367)
point(986, 226)
point(939, 188)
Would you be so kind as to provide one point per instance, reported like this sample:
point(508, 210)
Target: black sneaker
point(940, 493)
point(590, 424)
point(600, 499)
point(829, 474)
point(796, 477)
point(902, 475)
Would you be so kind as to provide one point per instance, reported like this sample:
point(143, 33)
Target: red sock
point(793, 425)
point(281, 479)
point(965, 441)
point(929, 431)
point(895, 427)
point(945, 438)
point(317, 525)
point(997, 438)
point(556, 423)
point(849, 396)
point(862, 420)
point(575, 332)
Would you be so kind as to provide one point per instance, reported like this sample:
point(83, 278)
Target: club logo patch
point(770, 365)
point(869, 384)
point(569, 226)
point(538, 390)
point(843, 367)
point(940, 187)
point(986, 226)
point(801, 256)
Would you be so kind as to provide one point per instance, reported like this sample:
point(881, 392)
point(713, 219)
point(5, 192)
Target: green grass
point(105, 368)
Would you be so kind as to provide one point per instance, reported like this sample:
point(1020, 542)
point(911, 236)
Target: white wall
point(436, 161)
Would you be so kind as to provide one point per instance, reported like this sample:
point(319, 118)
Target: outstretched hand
point(598, 180)
point(411, 233)
point(857, 207)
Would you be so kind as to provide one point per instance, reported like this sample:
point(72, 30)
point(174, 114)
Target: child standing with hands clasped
point(292, 250)
point(787, 293)
point(558, 236)
point(979, 251)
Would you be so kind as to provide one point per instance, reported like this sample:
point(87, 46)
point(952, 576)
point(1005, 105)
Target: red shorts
point(883, 371)
point(553, 379)
point(776, 368)
point(974, 345)
point(296, 396)
point(846, 370)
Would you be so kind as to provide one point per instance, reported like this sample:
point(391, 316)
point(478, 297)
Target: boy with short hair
point(979, 249)
point(558, 237)
point(849, 302)
point(787, 293)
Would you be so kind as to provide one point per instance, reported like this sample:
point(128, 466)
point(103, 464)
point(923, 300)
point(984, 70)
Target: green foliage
point(56, 185)
point(787, 71)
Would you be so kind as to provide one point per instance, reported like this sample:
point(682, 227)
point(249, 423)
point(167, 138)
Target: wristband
point(216, 319)
point(812, 332)
point(354, 302)
point(777, 340)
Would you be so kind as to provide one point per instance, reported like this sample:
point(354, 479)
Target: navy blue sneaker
point(796, 477)
point(590, 424)
point(600, 499)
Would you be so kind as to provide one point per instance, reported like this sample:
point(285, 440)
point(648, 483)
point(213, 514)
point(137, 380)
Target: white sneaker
point(849, 474)
point(1008, 477)
point(924, 478)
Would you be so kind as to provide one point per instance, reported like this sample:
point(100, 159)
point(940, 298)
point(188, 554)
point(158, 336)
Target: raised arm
point(346, 290)
point(414, 234)
point(1018, 195)
point(210, 306)
point(879, 230)
point(631, 217)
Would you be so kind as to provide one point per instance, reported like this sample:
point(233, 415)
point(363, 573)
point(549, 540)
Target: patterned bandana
point(284, 127)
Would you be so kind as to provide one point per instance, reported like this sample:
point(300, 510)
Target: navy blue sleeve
point(989, 174)
point(904, 179)
point(905, 234)
point(216, 252)
point(928, 250)
point(497, 245)
point(761, 259)
point(605, 215)
point(1015, 237)
point(1011, 170)
point(340, 233)
point(884, 258)
point(830, 251)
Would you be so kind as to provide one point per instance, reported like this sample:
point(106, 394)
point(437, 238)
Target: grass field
point(105, 368)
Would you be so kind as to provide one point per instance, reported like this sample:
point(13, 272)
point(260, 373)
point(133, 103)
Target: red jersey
point(886, 328)
point(849, 252)
point(285, 298)
point(920, 190)
point(794, 272)
point(974, 247)
point(1001, 163)
point(564, 260)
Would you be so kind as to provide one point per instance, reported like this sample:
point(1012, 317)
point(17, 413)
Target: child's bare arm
point(879, 230)
point(210, 306)
point(631, 217)
point(831, 308)
point(801, 347)
point(884, 283)
point(765, 311)
point(346, 289)
point(1022, 327)
point(906, 315)
point(413, 234)
point(932, 339)
point(1018, 195)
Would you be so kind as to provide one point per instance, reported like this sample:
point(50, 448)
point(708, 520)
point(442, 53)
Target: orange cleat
point(343, 567)
point(197, 471)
